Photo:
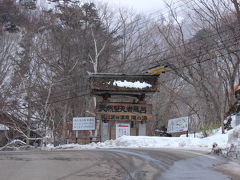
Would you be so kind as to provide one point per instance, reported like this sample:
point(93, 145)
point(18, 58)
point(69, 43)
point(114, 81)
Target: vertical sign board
point(122, 129)
point(177, 125)
point(84, 123)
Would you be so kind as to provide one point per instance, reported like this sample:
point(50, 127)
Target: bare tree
point(209, 61)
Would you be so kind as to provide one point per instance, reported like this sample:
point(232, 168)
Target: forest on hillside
point(46, 56)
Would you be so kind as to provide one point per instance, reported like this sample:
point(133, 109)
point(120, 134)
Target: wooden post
point(76, 136)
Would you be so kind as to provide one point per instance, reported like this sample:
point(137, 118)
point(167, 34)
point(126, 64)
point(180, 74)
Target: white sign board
point(177, 125)
point(84, 123)
point(122, 129)
point(3, 128)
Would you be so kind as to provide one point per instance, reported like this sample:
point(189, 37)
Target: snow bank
point(183, 142)
point(234, 137)
point(156, 142)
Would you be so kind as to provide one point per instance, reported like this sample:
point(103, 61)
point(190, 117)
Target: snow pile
point(234, 137)
point(16, 145)
point(202, 135)
point(3, 127)
point(156, 142)
point(191, 135)
point(127, 84)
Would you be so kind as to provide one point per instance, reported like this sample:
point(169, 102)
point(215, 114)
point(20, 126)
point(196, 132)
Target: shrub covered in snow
point(16, 145)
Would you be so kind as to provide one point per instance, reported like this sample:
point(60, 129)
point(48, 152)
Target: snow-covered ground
point(205, 144)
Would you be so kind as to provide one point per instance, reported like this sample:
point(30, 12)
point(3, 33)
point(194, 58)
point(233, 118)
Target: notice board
point(122, 129)
point(178, 125)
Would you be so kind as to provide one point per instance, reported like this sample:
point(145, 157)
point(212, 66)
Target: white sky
point(146, 6)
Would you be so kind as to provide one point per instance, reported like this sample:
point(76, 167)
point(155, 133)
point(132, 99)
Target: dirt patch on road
point(231, 168)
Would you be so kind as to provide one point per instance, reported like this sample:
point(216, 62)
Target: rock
point(216, 149)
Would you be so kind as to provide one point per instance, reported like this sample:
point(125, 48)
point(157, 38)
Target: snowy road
point(109, 164)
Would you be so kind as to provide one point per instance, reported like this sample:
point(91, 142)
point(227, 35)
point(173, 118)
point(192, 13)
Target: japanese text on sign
point(122, 108)
point(124, 117)
point(84, 123)
point(124, 111)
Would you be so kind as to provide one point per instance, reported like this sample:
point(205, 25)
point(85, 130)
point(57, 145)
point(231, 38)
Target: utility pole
point(29, 116)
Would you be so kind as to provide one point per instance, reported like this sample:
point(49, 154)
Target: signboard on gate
point(84, 123)
point(122, 129)
point(178, 125)
point(124, 111)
